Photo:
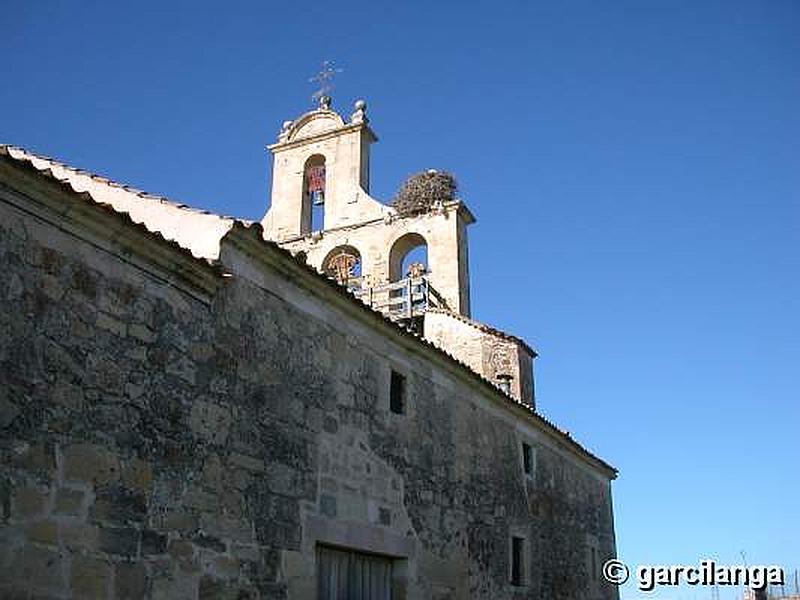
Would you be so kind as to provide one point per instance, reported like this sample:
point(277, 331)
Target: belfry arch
point(313, 194)
point(343, 263)
point(413, 246)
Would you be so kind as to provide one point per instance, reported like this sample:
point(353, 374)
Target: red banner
point(316, 179)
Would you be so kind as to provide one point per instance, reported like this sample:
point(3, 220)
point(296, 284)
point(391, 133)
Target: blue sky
point(634, 170)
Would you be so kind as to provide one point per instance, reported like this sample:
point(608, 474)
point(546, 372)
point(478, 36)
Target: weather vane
point(324, 79)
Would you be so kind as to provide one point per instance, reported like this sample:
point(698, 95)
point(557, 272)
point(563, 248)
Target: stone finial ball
point(361, 105)
point(286, 124)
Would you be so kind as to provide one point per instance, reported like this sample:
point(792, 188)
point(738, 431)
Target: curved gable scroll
point(314, 123)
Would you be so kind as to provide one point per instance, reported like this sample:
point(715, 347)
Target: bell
point(318, 198)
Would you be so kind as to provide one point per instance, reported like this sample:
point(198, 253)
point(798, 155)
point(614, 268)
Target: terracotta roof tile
point(486, 328)
point(198, 231)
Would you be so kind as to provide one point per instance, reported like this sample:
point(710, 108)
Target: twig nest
point(425, 192)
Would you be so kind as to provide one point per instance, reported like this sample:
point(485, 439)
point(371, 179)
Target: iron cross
point(325, 80)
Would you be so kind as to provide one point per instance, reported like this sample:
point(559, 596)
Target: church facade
point(195, 406)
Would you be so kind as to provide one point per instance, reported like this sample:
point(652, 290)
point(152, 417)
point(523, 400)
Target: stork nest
point(424, 191)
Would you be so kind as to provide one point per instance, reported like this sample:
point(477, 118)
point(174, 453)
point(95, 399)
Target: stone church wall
point(160, 444)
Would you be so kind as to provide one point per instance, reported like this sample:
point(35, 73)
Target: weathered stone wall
point(158, 446)
point(484, 350)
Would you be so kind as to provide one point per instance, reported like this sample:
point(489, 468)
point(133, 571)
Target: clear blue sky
point(634, 167)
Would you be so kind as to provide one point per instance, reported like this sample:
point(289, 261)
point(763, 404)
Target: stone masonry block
point(79, 536)
point(43, 532)
point(183, 552)
point(119, 541)
point(141, 332)
point(153, 542)
point(130, 581)
point(29, 502)
point(38, 459)
point(210, 421)
point(69, 502)
point(109, 323)
point(41, 568)
point(90, 463)
point(137, 475)
point(118, 505)
point(90, 578)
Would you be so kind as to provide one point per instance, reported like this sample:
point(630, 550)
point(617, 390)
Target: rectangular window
point(594, 564)
point(397, 393)
point(517, 560)
point(346, 574)
point(527, 458)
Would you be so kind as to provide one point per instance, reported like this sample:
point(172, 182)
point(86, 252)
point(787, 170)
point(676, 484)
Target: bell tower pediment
point(311, 124)
point(320, 173)
point(321, 206)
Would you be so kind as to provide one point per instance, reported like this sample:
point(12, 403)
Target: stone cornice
point(463, 211)
point(323, 135)
point(56, 203)
point(456, 206)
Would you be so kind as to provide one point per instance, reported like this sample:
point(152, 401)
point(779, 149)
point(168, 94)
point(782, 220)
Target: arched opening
point(408, 257)
point(408, 290)
point(314, 194)
point(343, 263)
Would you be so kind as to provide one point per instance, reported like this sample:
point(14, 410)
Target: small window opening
point(397, 392)
point(504, 381)
point(517, 560)
point(594, 564)
point(527, 458)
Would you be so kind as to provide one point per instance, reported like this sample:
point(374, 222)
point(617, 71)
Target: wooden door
point(349, 575)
